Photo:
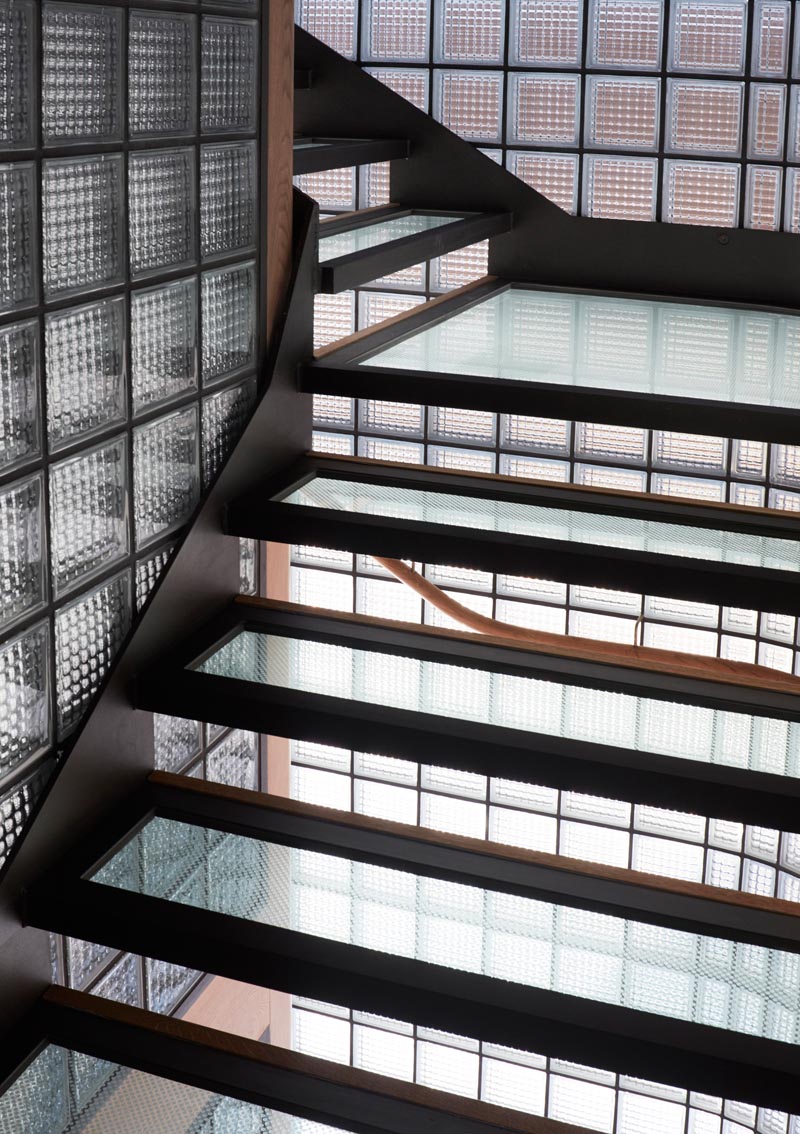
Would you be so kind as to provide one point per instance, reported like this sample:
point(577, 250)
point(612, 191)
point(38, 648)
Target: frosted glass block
point(460, 267)
point(585, 1104)
point(380, 449)
point(470, 103)
point(622, 113)
point(161, 74)
point(333, 23)
point(469, 31)
point(166, 475)
point(375, 188)
point(626, 34)
point(234, 761)
point(391, 417)
point(383, 1053)
point(396, 30)
point(704, 117)
point(384, 801)
point(638, 1114)
point(546, 33)
point(17, 120)
point(84, 958)
point(248, 566)
point(331, 188)
point(411, 84)
point(701, 193)
point(708, 36)
point(543, 109)
point(785, 464)
point(85, 369)
point(555, 176)
point(22, 548)
point(227, 198)
point(599, 476)
point(336, 443)
point(166, 984)
point(15, 810)
point(766, 127)
point(447, 1069)
point(375, 306)
point(176, 741)
point(312, 785)
point(89, 631)
point(460, 425)
point(163, 343)
point(762, 208)
point(791, 218)
point(148, 572)
point(667, 857)
point(794, 124)
point(18, 275)
point(121, 982)
point(523, 829)
point(330, 409)
point(224, 417)
point(543, 434)
point(229, 321)
point(89, 509)
point(20, 433)
point(82, 56)
point(620, 188)
point(25, 725)
point(771, 24)
point(619, 443)
point(228, 74)
point(689, 450)
point(323, 1036)
point(83, 232)
point(162, 210)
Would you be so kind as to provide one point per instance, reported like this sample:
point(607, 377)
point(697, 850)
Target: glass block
point(161, 210)
point(164, 350)
point(469, 31)
point(89, 509)
point(708, 36)
point(470, 103)
point(227, 198)
point(85, 369)
point(176, 741)
point(617, 443)
point(546, 33)
point(794, 124)
point(20, 432)
point(331, 188)
point(332, 22)
point(224, 417)
point(228, 74)
point(161, 74)
point(689, 451)
point(22, 548)
point(396, 30)
point(555, 176)
point(334, 317)
point(25, 724)
point(83, 232)
point(15, 810)
point(701, 193)
point(410, 84)
point(622, 113)
point(17, 109)
point(704, 117)
point(229, 321)
point(89, 631)
point(84, 959)
point(791, 217)
point(18, 273)
point(771, 24)
point(763, 197)
point(766, 127)
point(375, 306)
point(149, 571)
point(121, 982)
point(375, 187)
point(459, 267)
point(625, 34)
point(234, 761)
point(166, 475)
point(167, 984)
point(620, 188)
point(248, 566)
point(544, 109)
point(82, 58)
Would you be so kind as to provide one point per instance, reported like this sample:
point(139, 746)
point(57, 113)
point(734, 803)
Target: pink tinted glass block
point(704, 117)
point(701, 193)
point(412, 85)
point(623, 112)
point(470, 31)
point(396, 30)
point(546, 32)
point(620, 188)
point(332, 21)
point(763, 199)
point(470, 103)
point(767, 117)
point(626, 33)
point(791, 219)
point(771, 23)
point(544, 108)
point(555, 176)
point(708, 36)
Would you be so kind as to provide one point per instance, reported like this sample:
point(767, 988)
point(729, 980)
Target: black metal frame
point(334, 153)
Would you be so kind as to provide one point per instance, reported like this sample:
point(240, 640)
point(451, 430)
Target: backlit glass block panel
point(229, 321)
point(20, 377)
point(176, 741)
point(708, 36)
point(166, 984)
point(18, 283)
point(794, 124)
point(161, 74)
point(224, 417)
point(622, 113)
point(412, 85)
point(82, 54)
point(701, 193)
point(164, 347)
point(89, 509)
point(331, 189)
point(84, 960)
point(791, 220)
point(85, 369)
point(82, 222)
point(546, 33)
point(626, 34)
point(396, 30)
point(460, 267)
point(161, 210)
point(15, 809)
point(16, 73)
point(121, 982)
point(375, 306)
point(332, 21)
point(555, 176)
point(148, 572)
point(544, 109)
point(767, 119)
point(469, 31)
point(771, 24)
point(89, 631)
point(228, 74)
point(375, 188)
point(334, 317)
point(227, 198)
point(469, 103)
point(22, 548)
point(763, 197)
point(704, 117)
point(166, 474)
point(620, 188)
point(234, 761)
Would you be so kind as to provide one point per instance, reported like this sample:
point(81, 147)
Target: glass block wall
point(129, 278)
point(676, 110)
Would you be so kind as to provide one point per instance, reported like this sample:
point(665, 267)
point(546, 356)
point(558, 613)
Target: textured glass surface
point(16, 806)
point(18, 266)
point(626, 34)
point(605, 343)
point(16, 73)
point(544, 109)
point(85, 369)
point(234, 761)
point(82, 53)
point(704, 193)
point(593, 956)
point(166, 984)
point(229, 321)
point(224, 417)
point(227, 198)
point(334, 23)
point(148, 572)
point(248, 566)
point(121, 982)
point(620, 188)
point(84, 959)
point(25, 725)
point(163, 343)
point(20, 379)
point(161, 73)
point(176, 741)
point(470, 103)
point(546, 32)
point(469, 31)
point(22, 548)
point(89, 510)
point(704, 117)
point(623, 112)
point(680, 729)
point(396, 29)
point(82, 223)
point(228, 74)
point(708, 36)
point(371, 235)
point(166, 480)
point(161, 222)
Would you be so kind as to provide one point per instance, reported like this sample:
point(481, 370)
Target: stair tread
point(316, 154)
